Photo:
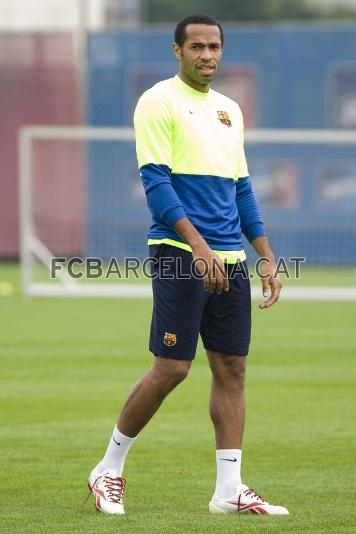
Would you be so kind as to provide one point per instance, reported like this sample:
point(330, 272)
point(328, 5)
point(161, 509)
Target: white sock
point(115, 456)
point(228, 472)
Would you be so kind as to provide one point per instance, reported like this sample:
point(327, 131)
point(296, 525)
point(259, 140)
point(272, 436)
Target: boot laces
point(250, 492)
point(114, 488)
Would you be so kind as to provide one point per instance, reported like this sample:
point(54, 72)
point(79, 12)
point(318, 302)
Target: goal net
point(82, 202)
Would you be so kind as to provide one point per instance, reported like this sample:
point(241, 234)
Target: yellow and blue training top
point(192, 163)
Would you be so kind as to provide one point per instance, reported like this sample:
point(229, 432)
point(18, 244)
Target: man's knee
point(228, 368)
point(172, 371)
point(180, 370)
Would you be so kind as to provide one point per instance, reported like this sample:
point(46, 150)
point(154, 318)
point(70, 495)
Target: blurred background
point(290, 64)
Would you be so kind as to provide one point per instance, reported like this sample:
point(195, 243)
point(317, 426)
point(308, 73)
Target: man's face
point(200, 55)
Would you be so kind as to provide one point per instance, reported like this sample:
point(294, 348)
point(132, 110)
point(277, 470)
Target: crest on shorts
point(170, 339)
point(224, 118)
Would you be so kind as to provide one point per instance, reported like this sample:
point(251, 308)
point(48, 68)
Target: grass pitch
point(67, 366)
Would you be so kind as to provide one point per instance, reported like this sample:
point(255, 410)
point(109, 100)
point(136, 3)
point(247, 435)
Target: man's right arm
point(153, 131)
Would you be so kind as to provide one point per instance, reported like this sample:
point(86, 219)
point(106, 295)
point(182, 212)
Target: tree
point(238, 10)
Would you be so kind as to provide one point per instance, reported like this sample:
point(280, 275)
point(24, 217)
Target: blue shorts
point(182, 308)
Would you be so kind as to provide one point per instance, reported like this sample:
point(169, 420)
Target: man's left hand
point(271, 284)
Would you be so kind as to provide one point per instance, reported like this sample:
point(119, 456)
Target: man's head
point(198, 42)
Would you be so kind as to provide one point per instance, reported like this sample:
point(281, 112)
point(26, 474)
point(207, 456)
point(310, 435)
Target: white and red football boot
point(245, 500)
point(108, 490)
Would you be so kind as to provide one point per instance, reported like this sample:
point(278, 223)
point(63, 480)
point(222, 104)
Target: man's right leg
point(178, 304)
point(144, 400)
point(149, 392)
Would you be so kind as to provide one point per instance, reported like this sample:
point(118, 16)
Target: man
point(191, 159)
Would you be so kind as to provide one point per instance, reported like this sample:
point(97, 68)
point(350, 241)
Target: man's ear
point(177, 50)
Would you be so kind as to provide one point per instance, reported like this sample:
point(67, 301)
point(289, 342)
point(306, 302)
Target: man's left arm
point(253, 228)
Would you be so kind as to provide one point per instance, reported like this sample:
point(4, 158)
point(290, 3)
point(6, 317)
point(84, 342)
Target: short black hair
point(198, 18)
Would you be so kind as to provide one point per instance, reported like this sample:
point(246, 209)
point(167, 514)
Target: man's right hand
point(211, 267)
point(207, 262)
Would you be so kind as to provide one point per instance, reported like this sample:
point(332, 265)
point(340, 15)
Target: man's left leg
point(227, 411)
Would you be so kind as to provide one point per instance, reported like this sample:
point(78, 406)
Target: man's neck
point(202, 88)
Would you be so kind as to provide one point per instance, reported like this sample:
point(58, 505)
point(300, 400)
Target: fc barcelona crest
point(170, 339)
point(224, 118)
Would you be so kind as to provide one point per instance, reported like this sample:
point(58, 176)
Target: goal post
point(80, 195)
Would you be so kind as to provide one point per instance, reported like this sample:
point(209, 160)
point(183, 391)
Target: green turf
point(66, 367)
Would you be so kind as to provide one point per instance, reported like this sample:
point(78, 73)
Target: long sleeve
point(251, 223)
point(154, 132)
point(162, 200)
